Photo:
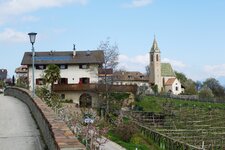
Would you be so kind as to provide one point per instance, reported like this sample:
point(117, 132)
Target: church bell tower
point(155, 66)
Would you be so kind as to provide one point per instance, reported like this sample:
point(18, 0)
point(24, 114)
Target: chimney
point(74, 50)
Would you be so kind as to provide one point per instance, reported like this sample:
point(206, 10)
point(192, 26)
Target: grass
point(137, 141)
point(188, 121)
point(155, 104)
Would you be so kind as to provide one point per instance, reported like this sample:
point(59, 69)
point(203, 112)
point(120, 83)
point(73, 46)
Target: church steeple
point(155, 77)
point(155, 47)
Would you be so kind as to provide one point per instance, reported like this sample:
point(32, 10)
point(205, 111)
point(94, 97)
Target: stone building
point(162, 74)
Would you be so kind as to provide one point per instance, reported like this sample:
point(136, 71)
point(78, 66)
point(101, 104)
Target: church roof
point(155, 47)
point(167, 70)
point(170, 81)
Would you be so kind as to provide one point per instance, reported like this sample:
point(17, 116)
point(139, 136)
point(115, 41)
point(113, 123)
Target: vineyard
point(196, 123)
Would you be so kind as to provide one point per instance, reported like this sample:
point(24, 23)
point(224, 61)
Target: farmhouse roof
point(129, 76)
point(21, 69)
point(64, 57)
point(103, 72)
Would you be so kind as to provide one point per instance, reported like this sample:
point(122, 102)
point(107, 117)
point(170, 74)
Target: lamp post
point(32, 36)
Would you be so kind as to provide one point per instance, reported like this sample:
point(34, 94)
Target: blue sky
point(190, 33)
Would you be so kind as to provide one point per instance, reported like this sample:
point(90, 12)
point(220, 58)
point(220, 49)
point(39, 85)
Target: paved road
point(18, 130)
point(109, 145)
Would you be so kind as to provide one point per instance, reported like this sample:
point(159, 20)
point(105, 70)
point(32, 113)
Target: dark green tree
point(181, 77)
point(52, 74)
point(155, 89)
point(205, 93)
point(215, 86)
point(22, 82)
point(190, 87)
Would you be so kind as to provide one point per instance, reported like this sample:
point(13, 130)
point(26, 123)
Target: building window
point(63, 81)
point(177, 88)
point(83, 66)
point(84, 81)
point(40, 67)
point(129, 77)
point(157, 57)
point(63, 66)
point(39, 81)
point(152, 58)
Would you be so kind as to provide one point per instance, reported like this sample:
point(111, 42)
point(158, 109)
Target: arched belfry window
point(157, 57)
point(152, 57)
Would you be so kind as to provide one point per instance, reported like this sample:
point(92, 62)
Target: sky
point(190, 33)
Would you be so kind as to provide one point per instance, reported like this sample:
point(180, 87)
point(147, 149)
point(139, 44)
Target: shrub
point(125, 131)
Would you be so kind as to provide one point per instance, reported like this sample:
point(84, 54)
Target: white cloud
point(136, 63)
point(215, 70)
point(30, 19)
point(139, 62)
point(175, 63)
point(9, 36)
point(138, 3)
point(18, 7)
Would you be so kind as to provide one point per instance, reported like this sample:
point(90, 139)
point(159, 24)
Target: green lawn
point(188, 121)
point(137, 141)
point(156, 104)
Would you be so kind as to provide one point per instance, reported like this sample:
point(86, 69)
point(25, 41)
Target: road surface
point(18, 130)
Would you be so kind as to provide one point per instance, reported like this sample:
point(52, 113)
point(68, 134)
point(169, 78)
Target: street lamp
point(32, 36)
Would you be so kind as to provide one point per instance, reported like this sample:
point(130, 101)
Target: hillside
point(195, 123)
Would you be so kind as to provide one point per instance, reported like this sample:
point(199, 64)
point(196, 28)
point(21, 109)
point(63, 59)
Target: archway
point(85, 100)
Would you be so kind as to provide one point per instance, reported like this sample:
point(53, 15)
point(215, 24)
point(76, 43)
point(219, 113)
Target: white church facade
point(162, 74)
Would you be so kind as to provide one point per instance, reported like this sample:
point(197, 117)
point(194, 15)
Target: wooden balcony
point(94, 87)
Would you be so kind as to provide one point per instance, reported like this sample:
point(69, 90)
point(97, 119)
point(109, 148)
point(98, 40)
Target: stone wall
point(56, 134)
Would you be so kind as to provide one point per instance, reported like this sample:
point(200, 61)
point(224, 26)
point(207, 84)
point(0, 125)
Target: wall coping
point(62, 137)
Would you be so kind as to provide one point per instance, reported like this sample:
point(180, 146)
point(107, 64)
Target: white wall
point(172, 87)
point(138, 83)
point(177, 84)
point(73, 73)
point(75, 96)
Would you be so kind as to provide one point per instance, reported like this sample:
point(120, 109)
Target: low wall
point(56, 134)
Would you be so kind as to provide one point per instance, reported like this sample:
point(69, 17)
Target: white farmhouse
point(78, 71)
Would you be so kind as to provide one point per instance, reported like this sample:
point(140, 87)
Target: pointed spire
point(155, 47)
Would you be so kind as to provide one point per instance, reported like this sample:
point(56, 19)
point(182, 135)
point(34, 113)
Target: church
point(162, 74)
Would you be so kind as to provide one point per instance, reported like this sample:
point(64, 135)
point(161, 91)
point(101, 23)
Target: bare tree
point(111, 58)
point(86, 125)
point(147, 70)
point(111, 54)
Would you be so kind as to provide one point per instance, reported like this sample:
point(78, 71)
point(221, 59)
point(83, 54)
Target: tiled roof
point(129, 76)
point(105, 71)
point(170, 81)
point(21, 69)
point(64, 57)
point(167, 70)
